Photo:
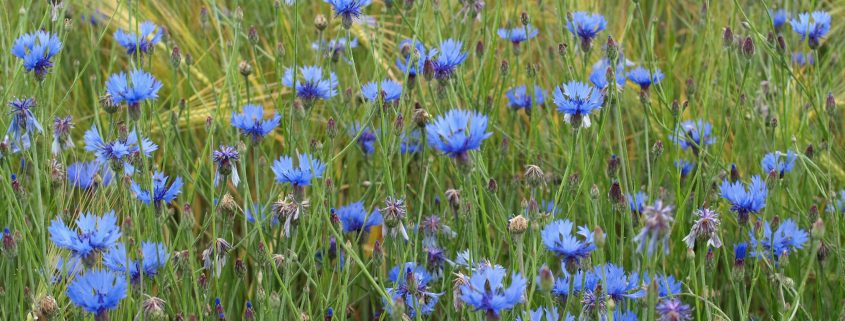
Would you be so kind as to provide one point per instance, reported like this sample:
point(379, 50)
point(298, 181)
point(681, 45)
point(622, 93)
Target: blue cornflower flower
point(457, 132)
point(84, 175)
point(356, 219)
point(656, 228)
point(838, 203)
point(366, 137)
point(143, 87)
point(637, 202)
point(310, 85)
point(97, 291)
point(586, 26)
point(812, 30)
point(576, 100)
point(694, 134)
point(119, 152)
point(37, 49)
point(410, 142)
point(413, 57)
point(745, 200)
point(598, 75)
point(251, 122)
point(779, 18)
point(448, 58)
point(412, 287)
point(775, 164)
point(485, 290)
point(256, 214)
point(225, 158)
point(23, 119)
point(141, 43)
point(160, 193)
point(335, 48)
point(667, 285)
point(154, 256)
point(551, 314)
point(548, 207)
point(619, 315)
point(684, 166)
point(618, 284)
point(672, 309)
point(519, 98)
point(308, 168)
point(581, 280)
point(740, 252)
point(95, 234)
point(645, 78)
point(558, 238)
point(786, 239)
point(387, 91)
point(348, 10)
point(801, 59)
point(519, 34)
point(61, 134)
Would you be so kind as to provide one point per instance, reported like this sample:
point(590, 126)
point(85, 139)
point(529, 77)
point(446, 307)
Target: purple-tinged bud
point(175, 57)
point(612, 166)
point(10, 244)
point(817, 231)
point(280, 50)
point(252, 35)
point(492, 185)
point(503, 68)
point(612, 51)
point(657, 149)
point(748, 47)
point(728, 37)
point(823, 252)
point(615, 194)
point(813, 214)
point(830, 103)
point(599, 237)
point(561, 49)
point(153, 309)
point(547, 278)
point(428, 69)
point(479, 48)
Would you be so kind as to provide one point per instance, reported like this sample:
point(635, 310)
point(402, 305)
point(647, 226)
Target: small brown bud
point(517, 225)
point(320, 22)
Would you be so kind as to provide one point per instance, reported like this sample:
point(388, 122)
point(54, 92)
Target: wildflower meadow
point(461, 160)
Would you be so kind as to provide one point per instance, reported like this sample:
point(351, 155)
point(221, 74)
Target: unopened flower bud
point(320, 22)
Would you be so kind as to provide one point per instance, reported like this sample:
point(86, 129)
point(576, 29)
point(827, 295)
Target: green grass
point(756, 104)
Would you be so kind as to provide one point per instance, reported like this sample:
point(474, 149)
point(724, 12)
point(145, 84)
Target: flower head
point(684, 166)
point(61, 134)
point(225, 158)
point(135, 89)
point(694, 134)
point(779, 18)
point(667, 285)
point(37, 51)
point(356, 219)
point(657, 225)
point(121, 152)
point(457, 132)
point(387, 91)
point(311, 85)
point(637, 202)
point(410, 142)
point(348, 10)
point(335, 48)
point(745, 200)
point(616, 283)
point(598, 75)
point(302, 174)
point(447, 58)
point(93, 234)
point(812, 26)
point(251, 122)
point(161, 193)
point(786, 239)
point(519, 34)
point(519, 98)
point(577, 100)
point(586, 26)
point(97, 291)
point(411, 286)
point(558, 238)
point(23, 119)
point(413, 57)
point(139, 43)
point(706, 226)
point(672, 309)
point(154, 256)
point(89, 175)
point(365, 137)
point(486, 291)
point(256, 214)
point(778, 163)
point(645, 78)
